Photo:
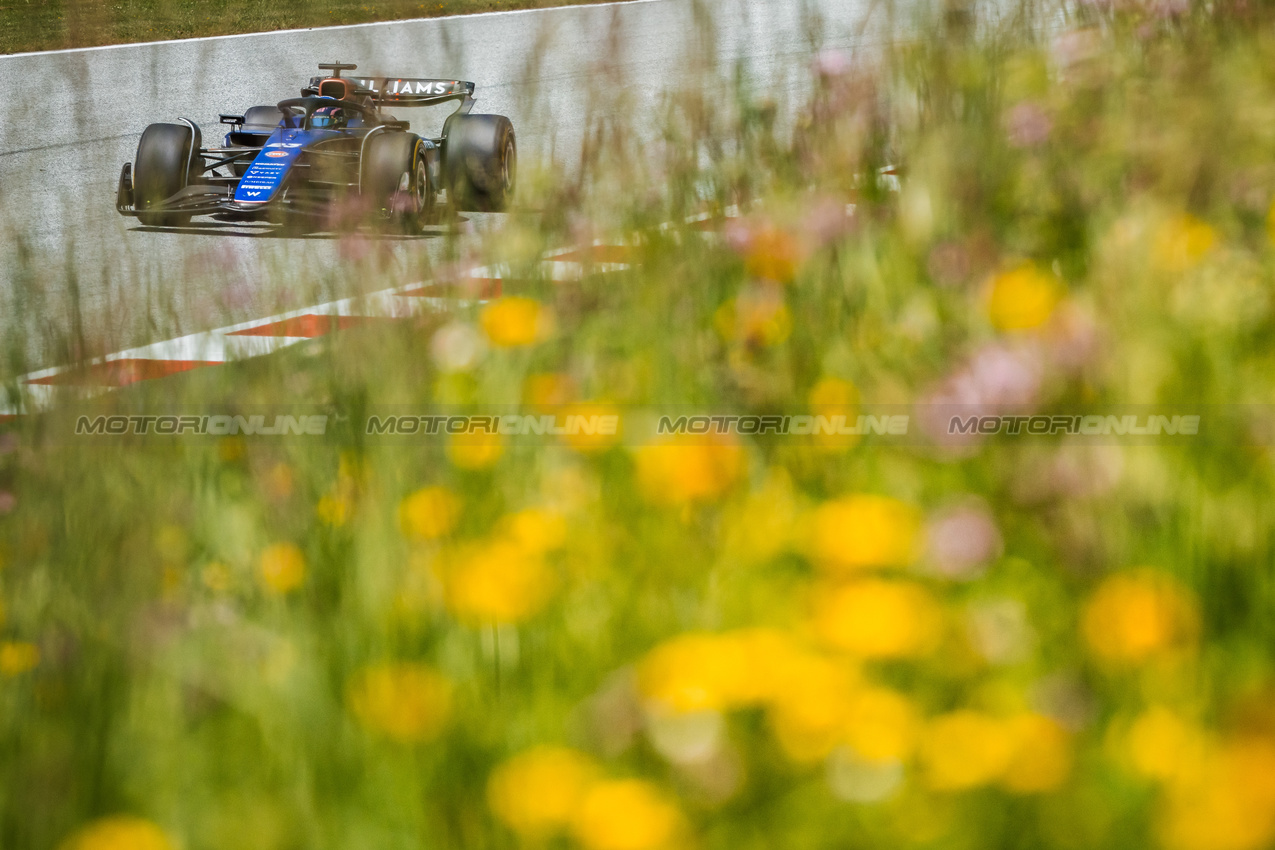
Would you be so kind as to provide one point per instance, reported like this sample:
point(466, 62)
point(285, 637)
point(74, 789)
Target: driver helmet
point(328, 118)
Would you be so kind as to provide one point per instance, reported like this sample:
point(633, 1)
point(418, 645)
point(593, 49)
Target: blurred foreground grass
point(61, 24)
point(744, 642)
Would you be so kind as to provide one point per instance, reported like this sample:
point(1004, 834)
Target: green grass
point(743, 642)
point(26, 26)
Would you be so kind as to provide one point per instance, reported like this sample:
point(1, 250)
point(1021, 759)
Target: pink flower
point(832, 63)
point(8, 501)
point(1027, 125)
point(997, 379)
point(828, 220)
point(961, 540)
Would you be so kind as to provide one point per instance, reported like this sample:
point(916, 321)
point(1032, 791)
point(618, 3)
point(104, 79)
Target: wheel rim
point(508, 166)
point(422, 187)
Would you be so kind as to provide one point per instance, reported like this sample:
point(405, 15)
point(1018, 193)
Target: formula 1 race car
point(302, 158)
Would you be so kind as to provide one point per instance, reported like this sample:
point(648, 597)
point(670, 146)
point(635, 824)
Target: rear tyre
point(167, 157)
point(480, 161)
point(395, 181)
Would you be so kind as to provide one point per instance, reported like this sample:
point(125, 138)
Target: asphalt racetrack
point(71, 118)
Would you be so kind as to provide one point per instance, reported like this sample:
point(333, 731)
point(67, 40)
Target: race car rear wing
point(403, 91)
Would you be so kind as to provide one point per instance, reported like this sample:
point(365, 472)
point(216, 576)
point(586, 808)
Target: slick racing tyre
point(395, 181)
point(167, 157)
point(480, 161)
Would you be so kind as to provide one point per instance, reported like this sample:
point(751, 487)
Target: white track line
point(397, 22)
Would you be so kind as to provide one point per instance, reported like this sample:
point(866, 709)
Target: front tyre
point(167, 155)
point(480, 160)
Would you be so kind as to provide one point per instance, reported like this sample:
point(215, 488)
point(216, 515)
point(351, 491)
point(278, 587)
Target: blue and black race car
point(334, 148)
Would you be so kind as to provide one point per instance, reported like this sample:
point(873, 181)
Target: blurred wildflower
point(217, 577)
point(1134, 616)
point(475, 451)
point(1181, 242)
point(119, 832)
point(999, 630)
point(1227, 803)
point(537, 792)
point(497, 581)
point(457, 347)
point(281, 568)
point(879, 619)
point(695, 672)
point(515, 321)
point(627, 814)
point(758, 317)
point(961, 540)
point(965, 749)
point(688, 469)
point(828, 219)
point(1022, 298)
point(881, 725)
point(809, 707)
point(831, 398)
point(864, 531)
point(8, 502)
point(859, 780)
point(1072, 336)
point(536, 531)
point(996, 379)
point(406, 702)
point(18, 657)
point(769, 251)
point(761, 526)
point(429, 513)
point(1027, 125)
point(600, 427)
point(1041, 759)
point(688, 737)
point(334, 508)
point(1165, 747)
point(547, 390)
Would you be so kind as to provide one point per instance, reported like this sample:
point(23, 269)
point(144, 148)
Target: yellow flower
point(119, 832)
point(810, 711)
point(18, 657)
point(475, 451)
point(405, 702)
point(774, 254)
point(626, 814)
point(754, 320)
point(1021, 299)
point(536, 531)
point(695, 672)
point(688, 470)
point(1042, 755)
point(1227, 803)
point(832, 396)
point(282, 568)
point(429, 513)
point(598, 427)
point(497, 582)
point(864, 531)
point(881, 724)
point(334, 509)
point(965, 749)
point(1163, 746)
point(879, 619)
point(1181, 242)
point(514, 321)
point(1134, 616)
point(217, 577)
point(536, 793)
